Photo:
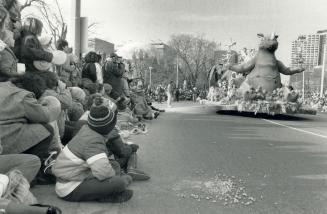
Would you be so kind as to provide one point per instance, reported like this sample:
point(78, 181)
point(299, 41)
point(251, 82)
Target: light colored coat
point(20, 119)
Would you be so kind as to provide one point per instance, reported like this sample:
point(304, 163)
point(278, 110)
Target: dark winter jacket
point(89, 71)
point(112, 74)
point(28, 49)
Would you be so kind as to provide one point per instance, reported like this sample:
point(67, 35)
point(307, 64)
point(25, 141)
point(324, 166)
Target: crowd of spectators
point(316, 101)
point(64, 120)
point(191, 93)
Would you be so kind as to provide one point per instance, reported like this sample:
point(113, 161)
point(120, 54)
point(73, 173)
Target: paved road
point(204, 162)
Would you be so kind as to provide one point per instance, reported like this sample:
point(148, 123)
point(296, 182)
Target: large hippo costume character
point(264, 69)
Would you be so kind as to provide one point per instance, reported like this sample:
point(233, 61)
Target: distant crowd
point(316, 101)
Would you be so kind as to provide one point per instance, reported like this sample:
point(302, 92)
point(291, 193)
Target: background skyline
point(130, 23)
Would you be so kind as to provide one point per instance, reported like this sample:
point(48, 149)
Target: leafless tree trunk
point(51, 18)
point(196, 53)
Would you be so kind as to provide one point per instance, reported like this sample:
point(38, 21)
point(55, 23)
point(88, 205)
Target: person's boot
point(136, 174)
point(132, 161)
point(119, 197)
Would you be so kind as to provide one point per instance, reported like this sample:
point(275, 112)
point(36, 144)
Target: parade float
point(255, 84)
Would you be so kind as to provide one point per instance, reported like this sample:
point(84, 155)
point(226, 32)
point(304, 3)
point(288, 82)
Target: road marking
point(205, 119)
point(296, 129)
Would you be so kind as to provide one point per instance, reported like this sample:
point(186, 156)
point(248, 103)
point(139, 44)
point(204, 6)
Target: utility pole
point(301, 60)
point(323, 71)
point(150, 68)
point(177, 72)
point(76, 30)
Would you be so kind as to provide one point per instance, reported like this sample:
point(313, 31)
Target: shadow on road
point(264, 116)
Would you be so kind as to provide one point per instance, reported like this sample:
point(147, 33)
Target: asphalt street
point(204, 162)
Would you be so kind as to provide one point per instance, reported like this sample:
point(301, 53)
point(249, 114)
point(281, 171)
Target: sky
point(129, 23)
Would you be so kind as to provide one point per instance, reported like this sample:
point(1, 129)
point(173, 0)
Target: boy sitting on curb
point(83, 170)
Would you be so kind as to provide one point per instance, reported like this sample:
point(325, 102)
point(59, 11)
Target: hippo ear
point(260, 35)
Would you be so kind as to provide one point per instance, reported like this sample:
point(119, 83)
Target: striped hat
point(101, 119)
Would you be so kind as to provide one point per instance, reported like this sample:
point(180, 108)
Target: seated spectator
point(23, 120)
point(27, 166)
point(76, 110)
point(141, 107)
point(58, 89)
point(125, 117)
point(83, 170)
point(124, 154)
point(28, 48)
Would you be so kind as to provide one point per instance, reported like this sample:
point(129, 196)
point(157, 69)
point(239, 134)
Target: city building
point(308, 51)
point(222, 56)
point(101, 46)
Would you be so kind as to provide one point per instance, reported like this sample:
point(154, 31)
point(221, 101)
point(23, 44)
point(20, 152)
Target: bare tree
point(29, 3)
point(196, 53)
point(53, 19)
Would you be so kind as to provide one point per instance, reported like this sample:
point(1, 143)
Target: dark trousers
point(71, 129)
point(42, 149)
point(29, 165)
point(154, 108)
point(93, 189)
point(177, 97)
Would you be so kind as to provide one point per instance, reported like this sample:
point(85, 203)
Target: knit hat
point(101, 119)
point(77, 94)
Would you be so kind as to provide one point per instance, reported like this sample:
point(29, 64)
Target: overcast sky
point(143, 21)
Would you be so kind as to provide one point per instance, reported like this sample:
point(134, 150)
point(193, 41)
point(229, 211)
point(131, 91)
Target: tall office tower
point(311, 49)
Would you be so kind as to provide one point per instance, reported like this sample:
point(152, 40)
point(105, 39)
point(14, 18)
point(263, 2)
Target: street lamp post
point(150, 69)
point(323, 72)
point(177, 72)
point(301, 60)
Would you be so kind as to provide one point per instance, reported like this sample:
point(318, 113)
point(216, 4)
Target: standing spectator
point(8, 60)
point(92, 69)
point(194, 93)
point(14, 23)
point(113, 71)
point(126, 92)
point(68, 70)
point(177, 93)
point(169, 92)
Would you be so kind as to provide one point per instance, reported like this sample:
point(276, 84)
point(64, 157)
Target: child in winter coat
point(57, 89)
point(76, 110)
point(125, 117)
point(83, 170)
